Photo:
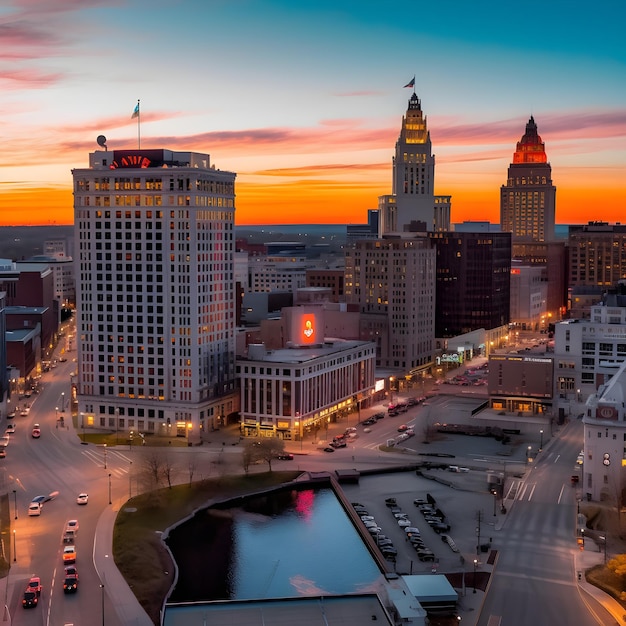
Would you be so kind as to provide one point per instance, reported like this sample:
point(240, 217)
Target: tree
point(266, 449)
point(618, 565)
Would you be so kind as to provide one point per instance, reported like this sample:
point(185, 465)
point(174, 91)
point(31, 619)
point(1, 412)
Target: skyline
point(308, 117)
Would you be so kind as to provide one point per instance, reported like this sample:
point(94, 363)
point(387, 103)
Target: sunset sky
point(304, 100)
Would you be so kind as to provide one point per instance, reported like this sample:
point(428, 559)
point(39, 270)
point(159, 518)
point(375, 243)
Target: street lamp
point(82, 420)
point(130, 446)
point(475, 563)
point(56, 414)
point(109, 488)
point(495, 497)
point(541, 442)
point(105, 456)
point(63, 402)
point(604, 542)
point(14, 547)
point(15, 502)
point(130, 473)
point(117, 421)
point(102, 588)
point(528, 457)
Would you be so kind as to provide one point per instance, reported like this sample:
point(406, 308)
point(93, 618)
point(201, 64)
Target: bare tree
point(266, 449)
point(192, 465)
point(168, 469)
point(152, 467)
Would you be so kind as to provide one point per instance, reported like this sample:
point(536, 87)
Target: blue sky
point(310, 93)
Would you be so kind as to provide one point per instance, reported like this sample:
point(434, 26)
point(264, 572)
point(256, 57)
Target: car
point(374, 530)
point(286, 456)
point(409, 432)
point(391, 502)
point(70, 584)
point(69, 536)
point(82, 498)
point(404, 522)
point(36, 433)
point(42, 499)
point(411, 530)
point(440, 527)
point(426, 556)
point(402, 428)
point(3, 452)
point(34, 584)
point(420, 501)
point(369, 422)
point(357, 504)
point(384, 542)
point(23, 412)
point(11, 415)
point(72, 525)
point(349, 430)
point(30, 599)
point(329, 449)
point(62, 359)
point(70, 570)
point(367, 430)
point(401, 515)
point(34, 509)
point(69, 554)
point(10, 429)
point(4, 441)
point(338, 444)
point(579, 461)
point(367, 518)
point(369, 523)
point(379, 416)
point(388, 550)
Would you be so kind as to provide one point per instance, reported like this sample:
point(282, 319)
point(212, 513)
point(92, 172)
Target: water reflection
point(292, 543)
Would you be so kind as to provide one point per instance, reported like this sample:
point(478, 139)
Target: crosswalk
point(115, 462)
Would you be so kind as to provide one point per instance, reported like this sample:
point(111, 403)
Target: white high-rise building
point(413, 205)
point(155, 292)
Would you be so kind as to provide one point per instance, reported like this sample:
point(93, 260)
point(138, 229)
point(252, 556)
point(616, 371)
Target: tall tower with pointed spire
point(528, 200)
point(413, 206)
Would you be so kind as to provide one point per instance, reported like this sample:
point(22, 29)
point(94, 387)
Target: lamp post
point(105, 458)
point(528, 454)
point(130, 474)
point(15, 502)
point(475, 563)
point(495, 497)
point(63, 402)
point(117, 421)
point(102, 589)
point(541, 442)
point(82, 420)
point(603, 537)
point(130, 445)
point(14, 547)
point(56, 414)
point(109, 488)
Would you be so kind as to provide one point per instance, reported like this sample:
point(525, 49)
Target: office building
point(155, 292)
point(392, 283)
point(588, 352)
point(472, 283)
point(528, 200)
point(604, 450)
point(413, 205)
point(597, 255)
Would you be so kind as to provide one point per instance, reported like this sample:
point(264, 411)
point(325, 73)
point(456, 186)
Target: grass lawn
point(603, 578)
point(137, 548)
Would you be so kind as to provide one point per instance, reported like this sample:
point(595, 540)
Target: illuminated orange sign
point(308, 329)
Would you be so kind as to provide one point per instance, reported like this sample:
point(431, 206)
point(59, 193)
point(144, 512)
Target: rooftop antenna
point(102, 141)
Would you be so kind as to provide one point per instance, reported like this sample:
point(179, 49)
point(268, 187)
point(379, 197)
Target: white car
point(403, 523)
point(72, 525)
point(82, 498)
point(34, 508)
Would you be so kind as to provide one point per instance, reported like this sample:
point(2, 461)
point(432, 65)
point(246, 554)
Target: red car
point(34, 584)
point(32, 593)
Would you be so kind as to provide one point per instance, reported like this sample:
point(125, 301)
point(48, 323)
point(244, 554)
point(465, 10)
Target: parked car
point(338, 444)
point(391, 502)
point(10, 429)
point(402, 428)
point(329, 449)
point(404, 522)
point(286, 456)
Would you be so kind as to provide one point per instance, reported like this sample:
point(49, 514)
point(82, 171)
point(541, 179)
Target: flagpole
point(138, 126)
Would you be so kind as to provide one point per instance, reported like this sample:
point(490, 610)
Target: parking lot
point(453, 549)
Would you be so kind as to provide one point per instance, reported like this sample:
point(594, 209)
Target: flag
point(411, 83)
point(135, 112)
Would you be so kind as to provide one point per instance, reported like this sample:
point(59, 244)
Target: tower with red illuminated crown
point(528, 200)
